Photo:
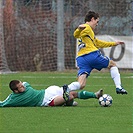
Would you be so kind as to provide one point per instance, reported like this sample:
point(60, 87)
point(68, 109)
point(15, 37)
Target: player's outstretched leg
point(117, 80)
point(86, 94)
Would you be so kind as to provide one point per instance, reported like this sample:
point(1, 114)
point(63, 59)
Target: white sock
point(115, 76)
point(74, 86)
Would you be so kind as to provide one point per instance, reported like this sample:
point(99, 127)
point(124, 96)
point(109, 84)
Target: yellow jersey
point(87, 42)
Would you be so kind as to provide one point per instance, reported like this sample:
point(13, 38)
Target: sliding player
point(24, 95)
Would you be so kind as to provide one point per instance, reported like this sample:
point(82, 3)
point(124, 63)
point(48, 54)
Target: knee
point(111, 64)
point(74, 93)
point(71, 97)
point(82, 86)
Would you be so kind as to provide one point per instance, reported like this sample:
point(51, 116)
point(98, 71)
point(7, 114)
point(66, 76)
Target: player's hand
point(119, 42)
point(81, 27)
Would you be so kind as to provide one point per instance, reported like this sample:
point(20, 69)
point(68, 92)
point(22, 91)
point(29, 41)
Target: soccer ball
point(105, 100)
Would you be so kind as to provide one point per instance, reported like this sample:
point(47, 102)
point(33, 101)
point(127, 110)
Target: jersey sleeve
point(77, 33)
point(103, 44)
point(81, 33)
point(6, 102)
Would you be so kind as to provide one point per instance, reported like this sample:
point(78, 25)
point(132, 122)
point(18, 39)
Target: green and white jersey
point(30, 97)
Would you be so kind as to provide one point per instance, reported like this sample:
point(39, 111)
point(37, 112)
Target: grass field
point(87, 117)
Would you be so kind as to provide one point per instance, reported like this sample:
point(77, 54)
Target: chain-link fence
point(30, 29)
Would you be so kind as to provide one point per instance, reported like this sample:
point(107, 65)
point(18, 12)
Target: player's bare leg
point(82, 80)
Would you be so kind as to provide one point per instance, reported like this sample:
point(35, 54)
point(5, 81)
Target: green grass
point(87, 117)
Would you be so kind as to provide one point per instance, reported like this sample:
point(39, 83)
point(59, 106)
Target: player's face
point(95, 22)
point(20, 87)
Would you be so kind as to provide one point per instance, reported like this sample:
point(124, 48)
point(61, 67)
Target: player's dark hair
point(90, 15)
point(13, 84)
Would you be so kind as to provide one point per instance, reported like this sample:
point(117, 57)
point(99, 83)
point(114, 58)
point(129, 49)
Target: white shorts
point(50, 93)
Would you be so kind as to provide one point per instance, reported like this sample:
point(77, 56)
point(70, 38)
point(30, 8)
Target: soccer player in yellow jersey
point(89, 56)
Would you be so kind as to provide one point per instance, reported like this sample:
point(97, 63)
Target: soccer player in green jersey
point(89, 57)
point(24, 95)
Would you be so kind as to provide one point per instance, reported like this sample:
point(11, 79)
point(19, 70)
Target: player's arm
point(119, 43)
point(1, 104)
point(5, 102)
point(104, 44)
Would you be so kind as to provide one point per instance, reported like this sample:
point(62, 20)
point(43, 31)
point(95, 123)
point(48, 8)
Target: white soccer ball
point(105, 100)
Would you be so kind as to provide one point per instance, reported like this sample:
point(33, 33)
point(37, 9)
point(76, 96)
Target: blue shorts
point(93, 60)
